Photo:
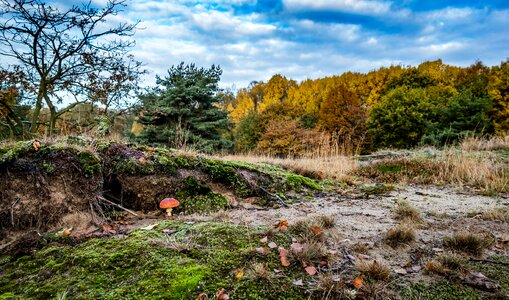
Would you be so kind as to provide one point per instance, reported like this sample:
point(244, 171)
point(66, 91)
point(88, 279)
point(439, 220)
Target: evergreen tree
point(185, 110)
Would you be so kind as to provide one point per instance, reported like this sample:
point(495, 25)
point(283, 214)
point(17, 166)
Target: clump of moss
point(377, 189)
point(12, 153)
point(198, 198)
point(90, 163)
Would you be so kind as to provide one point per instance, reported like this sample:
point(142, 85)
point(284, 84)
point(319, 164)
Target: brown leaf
point(311, 270)
point(67, 232)
point(282, 225)
point(264, 240)
point(358, 282)
point(262, 250)
point(272, 245)
point(480, 281)
point(36, 144)
point(222, 295)
point(283, 255)
point(202, 296)
point(317, 230)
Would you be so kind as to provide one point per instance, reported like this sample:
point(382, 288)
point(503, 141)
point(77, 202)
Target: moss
point(297, 181)
point(376, 189)
point(90, 163)
point(197, 197)
point(442, 290)
point(225, 173)
point(496, 271)
point(151, 265)
point(17, 150)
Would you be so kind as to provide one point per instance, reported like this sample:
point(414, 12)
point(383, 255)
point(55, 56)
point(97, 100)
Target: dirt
point(365, 221)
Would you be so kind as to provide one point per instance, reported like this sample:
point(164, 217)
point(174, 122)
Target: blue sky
point(255, 39)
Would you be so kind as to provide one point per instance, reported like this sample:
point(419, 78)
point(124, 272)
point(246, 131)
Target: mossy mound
point(198, 258)
point(41, 183)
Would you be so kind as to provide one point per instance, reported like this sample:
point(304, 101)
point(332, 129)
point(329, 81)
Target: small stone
point(400, 271)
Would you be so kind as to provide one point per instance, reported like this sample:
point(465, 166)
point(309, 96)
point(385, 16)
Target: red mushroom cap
point(169, 203)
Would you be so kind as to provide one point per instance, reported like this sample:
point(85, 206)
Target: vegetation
point(185, 112)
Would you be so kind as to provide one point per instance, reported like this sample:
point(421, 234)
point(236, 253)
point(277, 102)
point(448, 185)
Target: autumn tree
point(498, 90)
point(68, 54)
point(342, 115)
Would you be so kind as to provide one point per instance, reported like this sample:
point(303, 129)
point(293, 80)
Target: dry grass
point(462, 165)
point(452, 261)
point(501, 214)
point(406, 212)
point(374, 270)
point(469, 242)
point(259, 271)
point(399, 235)
point(485, 144)
point(319, 167)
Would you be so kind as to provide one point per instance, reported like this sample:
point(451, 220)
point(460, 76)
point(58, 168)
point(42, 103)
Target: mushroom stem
point(168, 212)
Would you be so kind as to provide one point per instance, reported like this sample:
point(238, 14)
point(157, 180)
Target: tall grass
point(331, 167)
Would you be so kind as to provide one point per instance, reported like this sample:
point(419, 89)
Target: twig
point(274, 196)
point(117, 205)
point(490, 261)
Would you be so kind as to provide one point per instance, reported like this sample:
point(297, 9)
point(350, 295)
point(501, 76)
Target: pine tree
point(185, 110)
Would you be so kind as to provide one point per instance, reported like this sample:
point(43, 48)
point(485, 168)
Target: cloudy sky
point(254, 39)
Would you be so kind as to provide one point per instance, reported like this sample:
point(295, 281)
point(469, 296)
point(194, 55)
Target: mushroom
point(169, 204)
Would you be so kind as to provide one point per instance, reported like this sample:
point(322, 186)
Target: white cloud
point(225, 21)
point(367, 7)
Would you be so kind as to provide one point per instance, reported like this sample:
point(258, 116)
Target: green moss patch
point(196, 259)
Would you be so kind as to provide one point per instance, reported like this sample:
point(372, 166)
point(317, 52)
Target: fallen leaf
point(416, 268)
point(67, 232)
point(239, 273)
point(298, 282)
point(141, 159)
point(480, 281)
point(222, 295)
point(264, 240)
point(311, 270)
point(283, 255)
point(336, 278)
point(363, 256)
point(150, 227)
point(109, 228)
point(36, 144)
point(263, 250)
point(317, 230)
point(297, 248)
point(272, 245)
point(282, 225)
point(169, 231)
point(202, 296)
point(358, 282)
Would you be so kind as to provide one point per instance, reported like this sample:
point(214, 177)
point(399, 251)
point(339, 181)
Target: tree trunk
point(35, 116)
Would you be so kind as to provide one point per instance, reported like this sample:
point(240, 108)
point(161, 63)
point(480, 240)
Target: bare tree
point(68, 52)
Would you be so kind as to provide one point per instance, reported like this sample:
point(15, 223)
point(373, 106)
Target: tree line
point(391, 107)
point(71, 74)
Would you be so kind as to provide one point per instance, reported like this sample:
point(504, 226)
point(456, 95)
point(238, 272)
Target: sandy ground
point(361, 220)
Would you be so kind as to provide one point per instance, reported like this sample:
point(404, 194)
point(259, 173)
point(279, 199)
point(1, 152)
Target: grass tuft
point(374, 270)
point(401, 234)
point(469, 242)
